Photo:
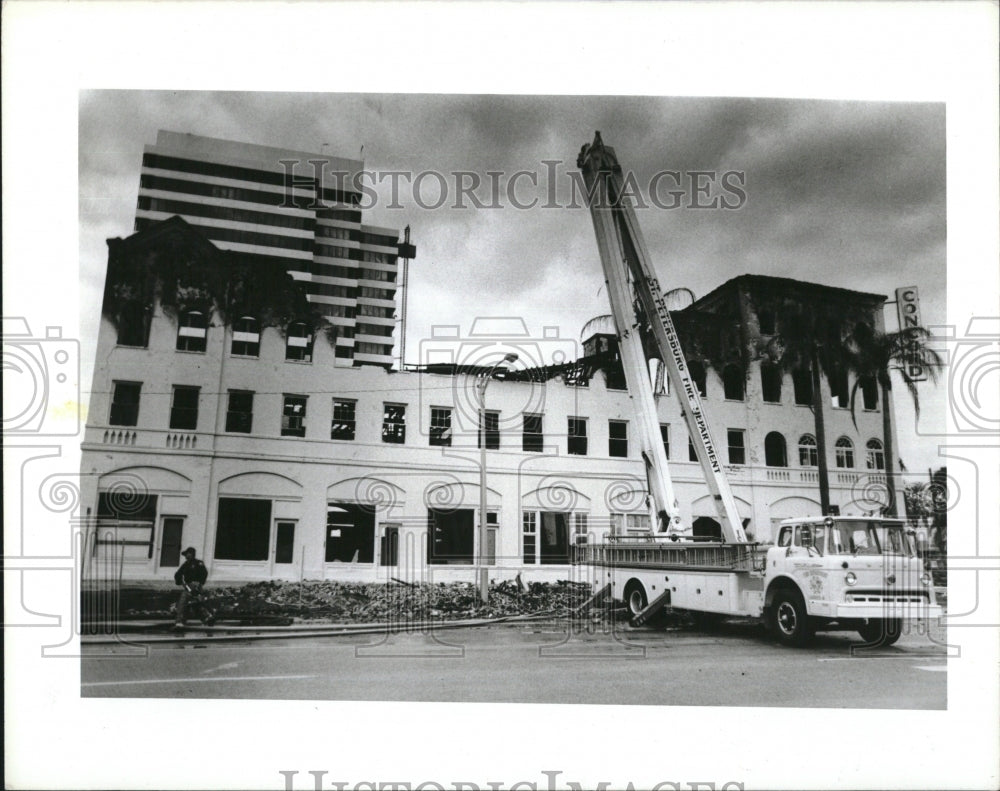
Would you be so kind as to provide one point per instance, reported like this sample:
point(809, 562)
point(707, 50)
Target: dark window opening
point(737, 450)
point(284, 543)
point(733, 383)
point(350, 533)
point(133, 324)
point(127, 518)
point(171, 542)
point(576, 436)
point(803, 385)
point(492, 431)
point(125, 404)
point(665, 436)
point(531, 438)
point(838, 389)
point(705, 528)
point(770, 383)
point(244, 529)
point(239, 414)
point(553, 538)
point(765, 320)
point(618, 438)
point(450, 537)
point(184, 408)
point(869, 393)
point(775, 454)
point(696, 369)
point(692, 453)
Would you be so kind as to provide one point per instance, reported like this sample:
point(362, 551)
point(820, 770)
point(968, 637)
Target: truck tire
point(881, 631)
point(635, 598)
point(788, 619)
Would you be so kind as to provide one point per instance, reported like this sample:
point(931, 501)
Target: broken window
point(244, 529)
point(803, 385)
point(246, 337)
point(125, 404)
point(342, 425)
point(394, 423)
point(774, 450)
point(665, 436)
point(440, 426)
point(450, 536)
point(733, 383)
point(696, 369)
point(350, 533)
point(770, 383)
point(299, 342)
point(293, 416)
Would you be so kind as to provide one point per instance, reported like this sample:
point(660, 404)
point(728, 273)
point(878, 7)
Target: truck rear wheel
point(881, 631)
point(788, 619)
point(635, 598)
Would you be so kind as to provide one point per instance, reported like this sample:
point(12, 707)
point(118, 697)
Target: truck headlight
point(850, 578)
point(926, 578)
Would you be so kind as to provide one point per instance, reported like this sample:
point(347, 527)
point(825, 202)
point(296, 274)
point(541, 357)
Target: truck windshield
point(868, 538)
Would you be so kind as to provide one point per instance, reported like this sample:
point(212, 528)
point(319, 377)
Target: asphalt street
point(735, 664)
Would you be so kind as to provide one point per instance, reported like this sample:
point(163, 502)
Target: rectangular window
point(665, 436)
point(394, 423)
point(342, 426)
point(529, 535)
point(802, 384)
point(246, 337)
point(440, 426)
point(450, 537)
point(171, 541)
point(553, 539)
point(580, 529)
point(770, 383)
point(492, 431)
point(244, 529)
point(350, 533)
point(737, 451)
point(184, 408)
point(293, 416)
point(692, 453)
point(133, 324)
point(576, 436)
point(839, 398)
point(284, 543)
point(239, 414)
point(299, 342)
point(128, 523)
point(125, 404)
point(531, 437)
point(618, 438)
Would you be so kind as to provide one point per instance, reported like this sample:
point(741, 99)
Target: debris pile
point(345, 602)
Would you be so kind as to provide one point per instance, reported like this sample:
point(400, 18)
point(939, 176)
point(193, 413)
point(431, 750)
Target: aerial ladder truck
point(823, 572)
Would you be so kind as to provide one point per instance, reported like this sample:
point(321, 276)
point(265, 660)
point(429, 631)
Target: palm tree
point(873, 355)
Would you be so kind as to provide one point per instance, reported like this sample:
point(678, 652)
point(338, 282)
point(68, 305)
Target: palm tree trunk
point(890, 449)
point(824, 472)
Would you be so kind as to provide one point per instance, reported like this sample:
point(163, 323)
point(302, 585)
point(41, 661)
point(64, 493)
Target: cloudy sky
point(848, 194)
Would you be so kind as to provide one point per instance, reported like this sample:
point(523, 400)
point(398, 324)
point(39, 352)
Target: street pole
point(484, 570)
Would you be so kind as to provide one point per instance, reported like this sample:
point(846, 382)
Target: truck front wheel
point(881, 631)
point(788, 619)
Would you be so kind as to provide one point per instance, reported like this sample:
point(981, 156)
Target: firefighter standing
point(192, 576)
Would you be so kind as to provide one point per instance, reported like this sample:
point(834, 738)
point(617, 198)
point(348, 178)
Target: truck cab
point(845, 572)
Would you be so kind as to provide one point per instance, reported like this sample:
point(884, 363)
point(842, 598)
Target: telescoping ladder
point(627, 271)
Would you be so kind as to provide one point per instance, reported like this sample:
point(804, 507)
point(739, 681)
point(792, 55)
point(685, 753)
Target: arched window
point(299, 343)
point(774, 450)
point(246, 337)
point(770, 383)
point(869, 393)
point(808, 457)
point(192, 331)
point(874, 455)
point(697, 370)
point(732, 382)
point(845, 453)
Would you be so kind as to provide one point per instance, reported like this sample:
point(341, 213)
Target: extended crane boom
point(627, 271)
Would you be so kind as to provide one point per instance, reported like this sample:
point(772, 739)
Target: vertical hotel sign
point(908, 311)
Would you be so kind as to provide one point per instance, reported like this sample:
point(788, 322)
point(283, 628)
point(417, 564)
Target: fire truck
point(822, 573)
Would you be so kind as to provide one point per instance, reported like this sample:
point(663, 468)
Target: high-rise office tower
point(292, 207)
